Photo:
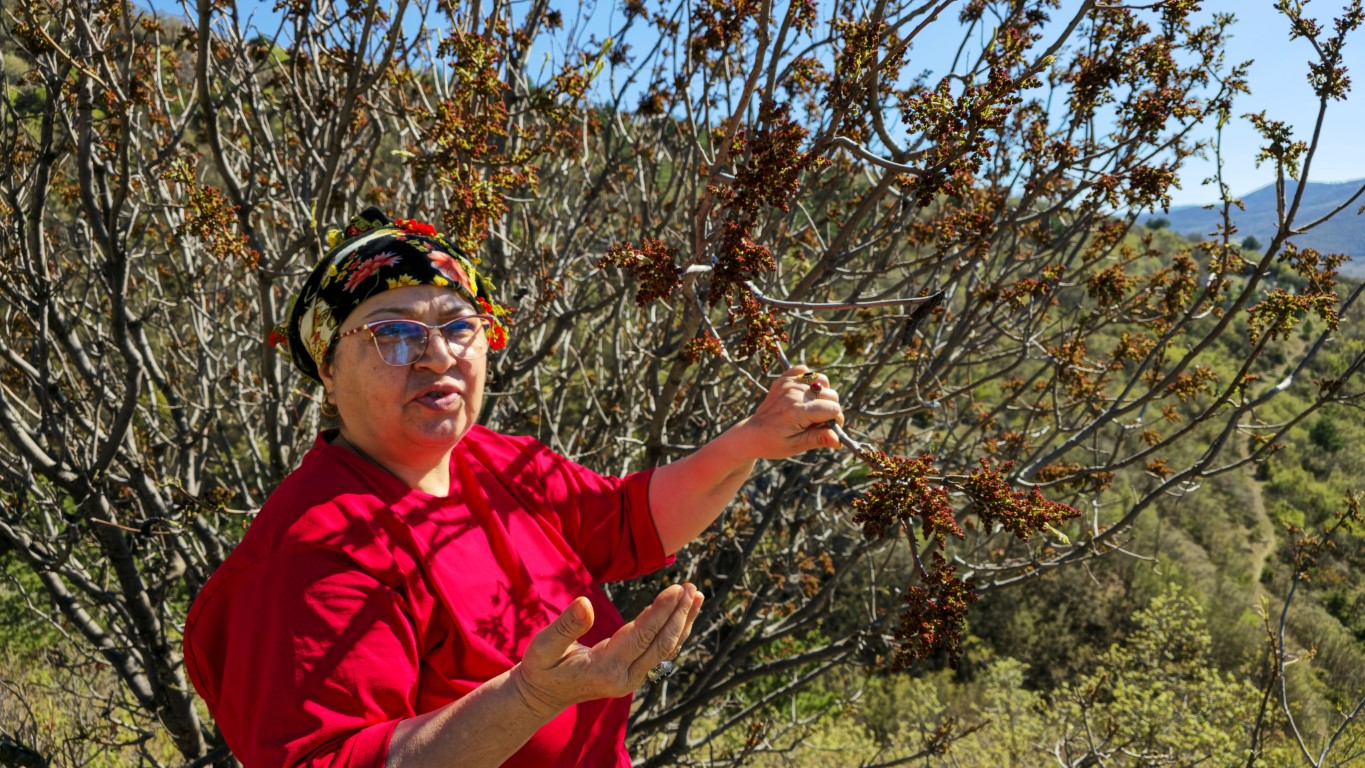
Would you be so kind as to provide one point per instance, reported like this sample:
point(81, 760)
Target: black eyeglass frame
point(461, 352)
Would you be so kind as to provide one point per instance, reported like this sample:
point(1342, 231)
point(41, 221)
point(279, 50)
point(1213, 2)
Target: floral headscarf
point(375, 254)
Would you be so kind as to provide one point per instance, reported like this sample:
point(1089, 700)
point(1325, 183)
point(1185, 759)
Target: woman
point(423, 591)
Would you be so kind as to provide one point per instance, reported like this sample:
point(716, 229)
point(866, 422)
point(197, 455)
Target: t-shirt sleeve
point(315, 661)
point(608, 522)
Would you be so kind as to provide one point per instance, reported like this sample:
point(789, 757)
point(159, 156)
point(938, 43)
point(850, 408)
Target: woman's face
point(404, 411)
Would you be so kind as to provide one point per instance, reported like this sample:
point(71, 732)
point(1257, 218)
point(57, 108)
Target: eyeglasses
point(402, 342)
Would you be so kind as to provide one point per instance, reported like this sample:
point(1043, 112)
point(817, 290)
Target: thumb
point(550, 644)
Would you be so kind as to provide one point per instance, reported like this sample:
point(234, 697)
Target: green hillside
point(1343, 233)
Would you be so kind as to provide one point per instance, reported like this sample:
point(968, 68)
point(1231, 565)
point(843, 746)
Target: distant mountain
point(1345, 233)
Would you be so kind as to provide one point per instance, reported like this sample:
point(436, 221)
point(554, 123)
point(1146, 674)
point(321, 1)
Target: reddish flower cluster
point(652, 264)
point(939, 115)
point(1022, 513)
point(212, 219)
point(765, 330)
point(1149, 186)
point(906, 489)
point(862, 50)
point(771, 177)
point(1188, 386)
point(1319, 269)
point(704, 344)
point(1281, 311)
point(739, 259)
point(719, 25)
point(464, 141)
point(476, 201)
point(1109, 287)
point(1308, 548)
point(933, 617)
point(1131, 347)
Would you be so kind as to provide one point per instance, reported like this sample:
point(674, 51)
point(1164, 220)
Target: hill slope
point(1345, 233)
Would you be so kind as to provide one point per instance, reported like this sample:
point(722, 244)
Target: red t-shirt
point(354, 601)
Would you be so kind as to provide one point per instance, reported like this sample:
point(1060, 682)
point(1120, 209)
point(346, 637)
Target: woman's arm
point(487, 726)
point(688, 494)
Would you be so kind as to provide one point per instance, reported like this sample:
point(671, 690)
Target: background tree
point(671, 208)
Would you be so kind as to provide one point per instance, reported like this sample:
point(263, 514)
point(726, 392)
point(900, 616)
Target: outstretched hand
point(794, 416)
point(558, 671)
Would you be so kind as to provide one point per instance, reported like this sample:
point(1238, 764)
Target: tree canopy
point(673, 207)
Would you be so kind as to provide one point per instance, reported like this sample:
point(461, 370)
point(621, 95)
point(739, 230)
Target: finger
point(820, 416)
point(637, 636)
point(823, 393)
point(805, 375)
point(679, 625)
point(694, 609)
point(801, 378)
point(550, 645)
point(823, 410)
point(815, 385)
point(805, 385)
point(670, 638)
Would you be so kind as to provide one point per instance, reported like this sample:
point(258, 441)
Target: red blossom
point(771, 177)
point(212, 219)
point(739, 259)
point(765, 329)
point(909, 491)
point(652, 264)
point(905, 491)
point(704, 344)
point(1022, 513)
point(933, 617)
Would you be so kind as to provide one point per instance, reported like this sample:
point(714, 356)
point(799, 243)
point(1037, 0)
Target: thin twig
point(931, 301)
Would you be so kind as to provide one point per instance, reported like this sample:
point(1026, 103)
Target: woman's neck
point(430, 476)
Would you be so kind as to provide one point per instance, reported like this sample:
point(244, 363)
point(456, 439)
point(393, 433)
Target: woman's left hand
point(793, 417)
point(557, 671)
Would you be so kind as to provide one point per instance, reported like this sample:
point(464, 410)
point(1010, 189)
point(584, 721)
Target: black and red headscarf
point(372, 255)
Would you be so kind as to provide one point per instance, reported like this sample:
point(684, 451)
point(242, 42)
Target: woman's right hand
point(558, 671)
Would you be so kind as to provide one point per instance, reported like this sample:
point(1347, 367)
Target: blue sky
point(1279, 86)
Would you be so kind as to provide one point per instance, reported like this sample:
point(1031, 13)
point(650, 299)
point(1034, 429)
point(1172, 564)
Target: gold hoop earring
point(329, 409)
